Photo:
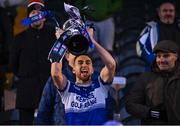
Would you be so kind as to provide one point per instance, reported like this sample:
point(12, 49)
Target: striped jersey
point(85, 104)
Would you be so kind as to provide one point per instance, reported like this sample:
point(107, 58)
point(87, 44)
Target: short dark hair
point(86, 54)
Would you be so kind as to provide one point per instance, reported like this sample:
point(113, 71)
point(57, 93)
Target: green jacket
point(102, 9)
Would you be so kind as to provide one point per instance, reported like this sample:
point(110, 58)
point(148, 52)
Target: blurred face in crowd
point(37, 24)
point(166, 60)
point(83, 69)
point(117, 87)
point(167, 13)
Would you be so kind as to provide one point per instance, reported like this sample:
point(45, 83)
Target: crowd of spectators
point(128, 30)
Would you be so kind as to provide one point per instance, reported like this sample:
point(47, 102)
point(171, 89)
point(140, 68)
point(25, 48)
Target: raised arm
point(58, 77)
point(108, 71)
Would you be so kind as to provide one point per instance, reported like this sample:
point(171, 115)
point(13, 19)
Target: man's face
point(166, 61)
point(38, 24)
point(83, 68)
point(167, 13)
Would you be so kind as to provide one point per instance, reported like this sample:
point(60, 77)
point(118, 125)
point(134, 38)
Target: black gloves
point(158, 112)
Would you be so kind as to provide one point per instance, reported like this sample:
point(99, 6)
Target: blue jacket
point(147, 40)
point(149, 37)
point(51, 110)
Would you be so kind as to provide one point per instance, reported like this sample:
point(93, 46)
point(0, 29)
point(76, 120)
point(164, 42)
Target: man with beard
point(167, 27)
point(155, 96)
point(85, 99)
point(28, 60)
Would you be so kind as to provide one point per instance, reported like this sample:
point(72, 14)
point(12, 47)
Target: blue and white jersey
point(85, 104)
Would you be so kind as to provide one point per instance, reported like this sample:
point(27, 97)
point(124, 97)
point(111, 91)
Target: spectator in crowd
point(166, 27)
point(85, 98)
point(7, 15)
point(51, 109)
point(9, 3)
point(155, 97)
point(57, 7)
point(115, 95)
point(2, 80)
point(28, 60)
point(100, 13)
